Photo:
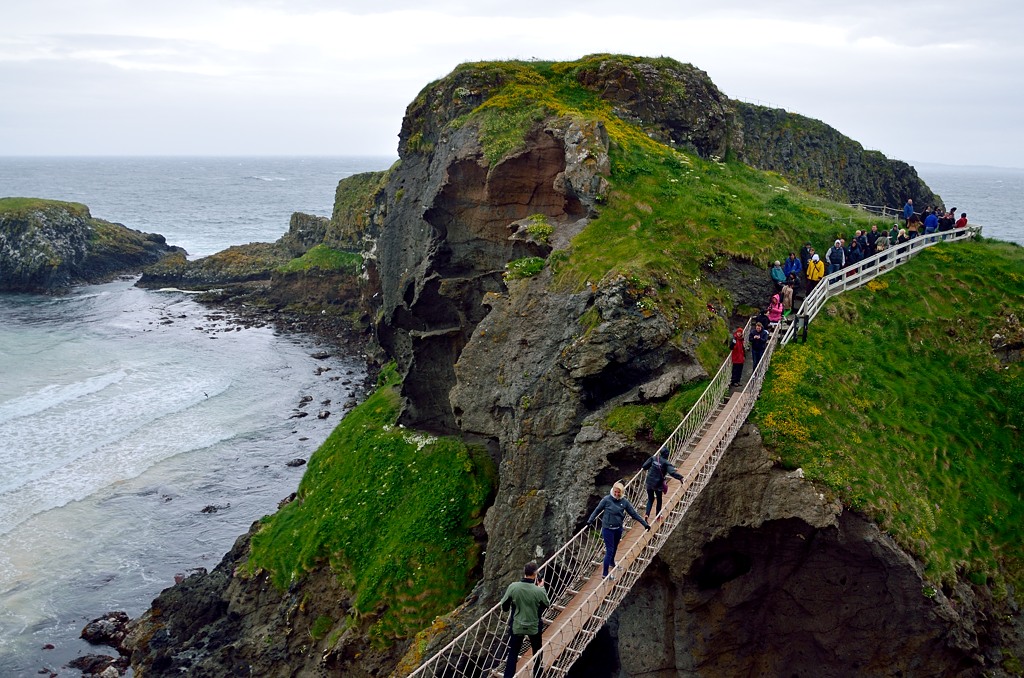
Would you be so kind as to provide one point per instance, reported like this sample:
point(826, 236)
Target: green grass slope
point(901, 407)
point(323, 258)
point(391, 512)
point(22, 207)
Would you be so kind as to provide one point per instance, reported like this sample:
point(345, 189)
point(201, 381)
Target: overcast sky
point(936, 81)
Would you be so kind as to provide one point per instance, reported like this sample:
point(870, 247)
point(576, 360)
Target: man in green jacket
point(527, 599)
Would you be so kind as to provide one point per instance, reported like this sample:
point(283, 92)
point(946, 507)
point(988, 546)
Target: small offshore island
point(46, 246)
point(550, 273)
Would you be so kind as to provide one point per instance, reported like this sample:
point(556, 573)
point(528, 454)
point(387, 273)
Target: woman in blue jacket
point(615, 507)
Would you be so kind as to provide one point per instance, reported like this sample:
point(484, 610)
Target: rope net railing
point(481, 648)
point(581, 600)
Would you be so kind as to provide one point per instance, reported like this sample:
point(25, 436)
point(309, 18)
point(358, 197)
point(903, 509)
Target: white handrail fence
point(881, 210)
point(869, 268)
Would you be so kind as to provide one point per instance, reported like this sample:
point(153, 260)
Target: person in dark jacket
point(872, 236)
point(947, 220)
point(527, 599)
point(806, 252)
point(835, 258)
point(615, 507)
point(658, 471)
point(737, 355)
point(862, 239)
point(758, 342)
point(855, 253)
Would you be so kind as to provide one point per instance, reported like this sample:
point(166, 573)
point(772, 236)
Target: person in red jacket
point(737, 356)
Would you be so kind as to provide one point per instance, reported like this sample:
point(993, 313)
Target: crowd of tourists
point(804, 271)
point(808, 268)
point(931, 220)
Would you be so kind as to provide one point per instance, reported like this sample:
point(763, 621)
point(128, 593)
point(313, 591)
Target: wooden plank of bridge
point(716, 431)
point(596, 589)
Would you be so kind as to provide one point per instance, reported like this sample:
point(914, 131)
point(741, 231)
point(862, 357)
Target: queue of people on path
point(810, 268)
point(931, 220)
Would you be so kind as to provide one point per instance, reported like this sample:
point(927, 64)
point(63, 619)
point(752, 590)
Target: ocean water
point(142, 432)
point(198, 203)
point(992, 197)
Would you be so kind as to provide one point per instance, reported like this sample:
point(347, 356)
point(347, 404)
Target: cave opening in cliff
point(613, 381)
point(716, 570)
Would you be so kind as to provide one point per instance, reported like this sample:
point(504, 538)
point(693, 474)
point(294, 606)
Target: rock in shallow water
point(108, 629)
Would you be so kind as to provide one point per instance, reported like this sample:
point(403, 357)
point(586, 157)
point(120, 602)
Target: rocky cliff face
point(766, 575)
point(820, 159)
point(48, 246)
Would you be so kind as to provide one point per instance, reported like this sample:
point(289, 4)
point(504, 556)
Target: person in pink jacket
point(775, 311)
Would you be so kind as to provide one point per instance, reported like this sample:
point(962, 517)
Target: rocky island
point(550, 272)
point(48, 246)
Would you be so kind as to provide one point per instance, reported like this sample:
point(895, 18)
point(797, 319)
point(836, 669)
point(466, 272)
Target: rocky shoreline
point(335, 337)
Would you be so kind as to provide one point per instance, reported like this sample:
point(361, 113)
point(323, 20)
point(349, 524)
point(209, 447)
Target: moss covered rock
point(236, 264)
point(48, 246)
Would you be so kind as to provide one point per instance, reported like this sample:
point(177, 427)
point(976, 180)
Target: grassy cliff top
point(670, 217)
point(901, 406)
point(20, 207)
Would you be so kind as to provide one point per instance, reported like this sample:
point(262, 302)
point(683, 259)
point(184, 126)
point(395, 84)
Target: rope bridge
point(582, 600)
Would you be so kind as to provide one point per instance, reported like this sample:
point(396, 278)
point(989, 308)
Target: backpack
point(656, 462)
